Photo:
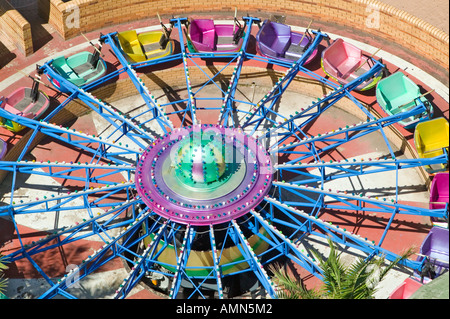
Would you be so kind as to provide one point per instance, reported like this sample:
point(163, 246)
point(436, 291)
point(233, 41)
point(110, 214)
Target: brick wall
point(395, 25)
point(15, 28)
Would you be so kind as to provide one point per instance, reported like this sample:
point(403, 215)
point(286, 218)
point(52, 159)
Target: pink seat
point(342, 58)
point(406, 289)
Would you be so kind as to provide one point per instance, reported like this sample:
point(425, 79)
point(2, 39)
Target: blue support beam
point(112, 249)
point(337, 137)
point(329, 171)
point(317, 227)
point(316, 108)
point(262, 110)
point(151, 102)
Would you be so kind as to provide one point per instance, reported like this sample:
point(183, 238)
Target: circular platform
point(204, 174)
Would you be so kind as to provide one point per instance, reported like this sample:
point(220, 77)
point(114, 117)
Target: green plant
point(3, 281)
point(357, 281)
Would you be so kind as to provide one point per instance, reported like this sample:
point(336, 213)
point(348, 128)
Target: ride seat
point(343, 58)
point(275, 38)
point(398, 90)
point(203, 34)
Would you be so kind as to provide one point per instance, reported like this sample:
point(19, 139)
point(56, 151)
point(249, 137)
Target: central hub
point(200, 159)
point(204, 174)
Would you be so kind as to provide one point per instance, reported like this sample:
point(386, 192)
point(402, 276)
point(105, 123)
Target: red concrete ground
point(404, 232)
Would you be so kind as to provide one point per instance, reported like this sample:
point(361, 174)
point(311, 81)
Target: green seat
point(78, 69)
point(398, 93)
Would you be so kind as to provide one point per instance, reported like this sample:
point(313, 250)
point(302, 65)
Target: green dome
point(200, 158)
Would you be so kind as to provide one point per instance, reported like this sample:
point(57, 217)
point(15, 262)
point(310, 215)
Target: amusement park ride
point(199, 204)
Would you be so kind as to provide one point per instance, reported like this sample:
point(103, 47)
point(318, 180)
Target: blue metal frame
point(115, 155)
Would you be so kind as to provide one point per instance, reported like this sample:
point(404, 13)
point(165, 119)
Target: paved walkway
point(435, 12)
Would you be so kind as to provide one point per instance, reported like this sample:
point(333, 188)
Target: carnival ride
point(201, 204)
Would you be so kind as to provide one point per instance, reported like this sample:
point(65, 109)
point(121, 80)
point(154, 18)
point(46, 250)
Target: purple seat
point(276, 40)
point(435, 246)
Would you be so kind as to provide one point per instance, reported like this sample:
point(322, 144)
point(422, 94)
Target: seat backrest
point(281, 29)
point(437, 240)
point(352, 51)
point(267, 34)
point(435, 130)
point(194, 32)
point(336, 53)
point(392, 86)
point(198, 26)
point(128, 40)
point(440, 185)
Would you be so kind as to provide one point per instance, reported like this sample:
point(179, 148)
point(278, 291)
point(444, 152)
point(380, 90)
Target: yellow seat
point(431, 138)
point(144, 46)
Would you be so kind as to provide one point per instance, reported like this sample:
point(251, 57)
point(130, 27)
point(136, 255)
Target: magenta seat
point(208, 37)
point(439, 191)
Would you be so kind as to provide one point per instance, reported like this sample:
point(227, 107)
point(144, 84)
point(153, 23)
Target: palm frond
point(3, 281)
point(333, 271)
point(290, 288)
point(3, 263)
